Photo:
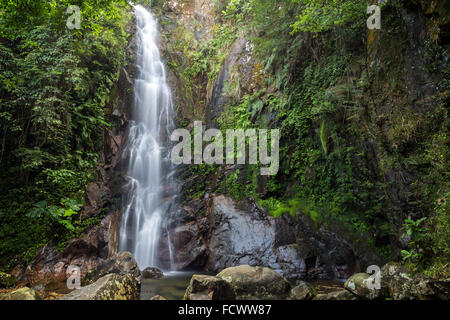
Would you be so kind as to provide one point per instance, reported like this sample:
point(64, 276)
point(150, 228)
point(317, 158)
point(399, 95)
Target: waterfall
point(151, 189)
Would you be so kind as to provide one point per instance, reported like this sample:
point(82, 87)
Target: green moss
point(197, 63)
point(7, 280)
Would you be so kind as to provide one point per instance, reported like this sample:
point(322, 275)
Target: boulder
point(24, 293)
point(303, 291)
point(336, 295)
point(121, 264)
point(441, 288)
point(158, 297)
point(7, 280)
point(361, 285)
point(256, 282)
point(202, 287)
point(109, 287)
point(152, 273)
point(398, 284)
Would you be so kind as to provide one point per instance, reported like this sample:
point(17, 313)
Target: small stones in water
point(152, 273)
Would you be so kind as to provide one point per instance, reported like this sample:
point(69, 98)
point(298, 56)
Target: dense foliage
point(55, 86)
point(356, 150)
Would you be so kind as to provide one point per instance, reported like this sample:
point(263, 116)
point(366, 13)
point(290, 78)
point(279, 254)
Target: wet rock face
point(238, 59)
point(326, 255)
point(187, 234)
point(239, 237)
point(247, 235)
point(194, 19)
point(201, 10)
point(242, 70)
point(110, 287)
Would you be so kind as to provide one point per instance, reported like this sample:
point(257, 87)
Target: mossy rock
point(110, 287)
point(202, 287)
point(361, 285)
point(123, 263)
point(398, 284)
point(336, 295)
point(303, 291)
point(251, 283)
point(7, 280)
point(24, 293)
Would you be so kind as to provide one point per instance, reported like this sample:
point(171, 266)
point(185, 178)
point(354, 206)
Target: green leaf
point(67, 224)
point(69, 213)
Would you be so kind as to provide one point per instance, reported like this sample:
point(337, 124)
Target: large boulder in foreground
point(110, 287)
point(24, 293)
point(256, 282)
point(202, 287)
point(398, 284)
point(122, 263)
point(361, 285)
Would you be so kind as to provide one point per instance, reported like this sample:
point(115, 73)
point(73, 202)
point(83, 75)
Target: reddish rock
point(97, 195)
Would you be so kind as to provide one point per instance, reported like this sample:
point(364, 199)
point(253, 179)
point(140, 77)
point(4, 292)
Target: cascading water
point(152, 191)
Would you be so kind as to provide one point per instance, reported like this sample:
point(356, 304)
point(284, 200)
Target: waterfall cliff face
point(152, 191)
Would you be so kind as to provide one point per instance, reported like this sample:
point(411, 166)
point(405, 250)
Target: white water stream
point(152, 191)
